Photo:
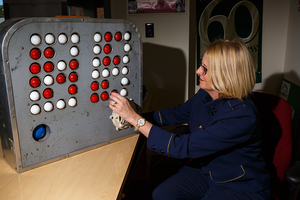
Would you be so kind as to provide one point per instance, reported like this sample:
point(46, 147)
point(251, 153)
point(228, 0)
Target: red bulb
point(35, 54)
point(48, 67)
point(94, 98)
point(104, 85)
point(118, 36)
point(73, 77)
point(107, 37)
point(48, 93)
point(35, 68)
point(94, 86)
point(104, 96)
point(106, 61)
point(114, 91)
point(107, 49)
point(35, 82)
point(60, 78)
point(49, 53)
point(74, 64)
point(72, 89)
point(116, 60)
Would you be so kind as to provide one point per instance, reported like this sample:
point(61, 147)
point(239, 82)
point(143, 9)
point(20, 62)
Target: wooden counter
point(96, 174)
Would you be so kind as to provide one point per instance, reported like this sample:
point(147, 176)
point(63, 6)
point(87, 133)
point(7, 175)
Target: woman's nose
point(198, 71)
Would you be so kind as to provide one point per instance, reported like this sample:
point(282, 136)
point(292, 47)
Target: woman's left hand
point(122, 107)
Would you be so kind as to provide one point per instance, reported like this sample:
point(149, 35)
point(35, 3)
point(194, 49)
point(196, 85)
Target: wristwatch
point(140, 122)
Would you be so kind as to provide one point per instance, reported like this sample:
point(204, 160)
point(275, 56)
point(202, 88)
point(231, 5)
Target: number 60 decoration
point(228, 19)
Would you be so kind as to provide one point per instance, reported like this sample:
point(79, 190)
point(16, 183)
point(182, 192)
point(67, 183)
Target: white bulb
point(127, 36)
point(61, 65)
point(127, 47)
point(74, 51)
point(97, 49)
point(115, 71)
point(125, 70)
point(105, 73)
point(95, 74)
point(75, 38)
point(124, 81)
point(48, 106)
point(62, 39)
point(35, 109)
point(123, 92)
point(96, 62)
point(97, 37)
point(60, 104)
point(125, 59)
point(49, 39)
point(35, 39)
point(48, 80)
point(72, 102)
point(34, 96)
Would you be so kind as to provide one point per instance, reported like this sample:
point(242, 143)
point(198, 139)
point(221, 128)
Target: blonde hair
point(231, 70)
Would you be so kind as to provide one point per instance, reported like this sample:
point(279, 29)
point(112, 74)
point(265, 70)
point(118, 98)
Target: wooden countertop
point(96, 174)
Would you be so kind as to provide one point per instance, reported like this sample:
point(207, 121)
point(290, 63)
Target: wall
point(275, 26)
point(292, 64)
point(175, 37)
point(166, 56)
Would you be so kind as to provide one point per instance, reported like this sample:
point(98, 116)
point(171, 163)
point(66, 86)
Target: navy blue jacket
point(224, 135)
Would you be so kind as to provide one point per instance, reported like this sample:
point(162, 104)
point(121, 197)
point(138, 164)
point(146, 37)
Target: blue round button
point(39, 132)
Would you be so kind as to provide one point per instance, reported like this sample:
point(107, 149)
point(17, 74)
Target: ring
point(115, 104)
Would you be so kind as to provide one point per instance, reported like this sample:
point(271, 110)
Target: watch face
point(141, 122)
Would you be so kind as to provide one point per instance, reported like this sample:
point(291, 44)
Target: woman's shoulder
point(239, 107)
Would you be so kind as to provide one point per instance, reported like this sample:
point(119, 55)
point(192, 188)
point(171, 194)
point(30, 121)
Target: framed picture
point(156, 6)
point(227, 19)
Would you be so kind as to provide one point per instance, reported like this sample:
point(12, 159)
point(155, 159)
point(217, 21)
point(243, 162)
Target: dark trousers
point(190, 183)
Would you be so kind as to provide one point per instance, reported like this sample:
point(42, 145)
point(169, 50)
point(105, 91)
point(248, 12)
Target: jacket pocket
point(224, 176)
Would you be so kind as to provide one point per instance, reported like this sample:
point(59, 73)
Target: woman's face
point(204, 81)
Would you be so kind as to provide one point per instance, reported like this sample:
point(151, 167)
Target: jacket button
point(213, 113)
point(153, 148)
point(212, 107)
point(162, 152)
point(200, 127)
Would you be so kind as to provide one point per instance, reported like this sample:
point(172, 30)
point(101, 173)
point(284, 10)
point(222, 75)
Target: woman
point(224, 138)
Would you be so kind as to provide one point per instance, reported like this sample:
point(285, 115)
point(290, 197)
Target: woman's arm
point(121, 106)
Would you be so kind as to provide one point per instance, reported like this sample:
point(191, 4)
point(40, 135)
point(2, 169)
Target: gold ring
point(115, 104)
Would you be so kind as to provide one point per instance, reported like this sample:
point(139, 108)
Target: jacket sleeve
point(230, 130)
point(176, 115)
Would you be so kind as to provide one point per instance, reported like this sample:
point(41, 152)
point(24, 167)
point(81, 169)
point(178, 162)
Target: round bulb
point(35, 40)
point(115, 71)
point(96, 62)
point(105, 73)
point(97, 37)
point(97, 49)
point(60, 104)
point(62, 39)
point(123, 92)
point(72, 102)
point(61, 65)
point(95, 74)
point(125, 59)
point(75, 38)
point(74, 51)
point(48, 106)
point(34, 96)
point(125, 70)
point(49, 39)
point(35, 109)
point(48, 80)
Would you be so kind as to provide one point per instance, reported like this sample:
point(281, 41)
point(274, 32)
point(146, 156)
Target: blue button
point(39, 132)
